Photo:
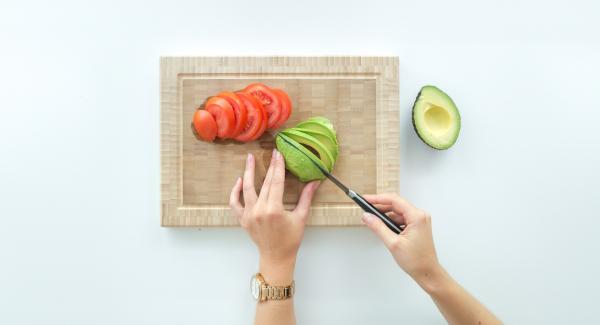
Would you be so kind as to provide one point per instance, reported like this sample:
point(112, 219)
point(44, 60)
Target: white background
point(515, 203)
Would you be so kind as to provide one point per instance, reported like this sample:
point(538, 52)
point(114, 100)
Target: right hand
point(413, 248)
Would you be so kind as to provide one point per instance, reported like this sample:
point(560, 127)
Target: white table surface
point(515, 203)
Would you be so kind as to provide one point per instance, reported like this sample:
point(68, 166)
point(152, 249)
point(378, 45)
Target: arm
point(414, 251)
point(276, 232)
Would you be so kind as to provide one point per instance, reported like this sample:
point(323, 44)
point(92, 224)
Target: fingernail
point(367, 218)
point(249, 157)
point(278, 154)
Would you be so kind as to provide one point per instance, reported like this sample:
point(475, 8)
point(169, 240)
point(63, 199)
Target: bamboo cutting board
point(358, 94)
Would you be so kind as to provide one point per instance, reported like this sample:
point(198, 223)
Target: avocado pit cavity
point(437, 119)
point(311, 149)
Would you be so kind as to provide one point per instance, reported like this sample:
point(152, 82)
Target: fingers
point(399, 204)
point(384, 207)
point(388, 209)
point(397, 218)
point(305, 199)
point(380, 229)
point(234, 199)
point(248, 182)
point(266, 187)
point(278, 180)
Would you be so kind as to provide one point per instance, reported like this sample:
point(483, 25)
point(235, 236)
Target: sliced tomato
point(223, 113)
point(265, 119)
point(205, 125)
point(257, 118)
point(269, 100)
point(286, 107)
point(239, 109)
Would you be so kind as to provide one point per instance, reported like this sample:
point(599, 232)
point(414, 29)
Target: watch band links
point(278, 293)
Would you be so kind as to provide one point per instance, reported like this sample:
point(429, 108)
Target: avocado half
point(315, 139)
point(297, 162)
point(323, 139)
point(436, 118)
point(319, 124)
point(313, 145)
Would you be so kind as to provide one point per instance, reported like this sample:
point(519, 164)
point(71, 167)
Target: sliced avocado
point(321, 124)
point(436, 118)
point(312, 144)
point(297, 162)
point(323, 120)
point(324, 139)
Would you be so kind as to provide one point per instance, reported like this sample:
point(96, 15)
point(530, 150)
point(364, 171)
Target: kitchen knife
point(364, 204)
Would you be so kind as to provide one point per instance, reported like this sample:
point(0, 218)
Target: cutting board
point(358, 94)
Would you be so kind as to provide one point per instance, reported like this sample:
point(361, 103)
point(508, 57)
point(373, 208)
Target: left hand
point(276, 232)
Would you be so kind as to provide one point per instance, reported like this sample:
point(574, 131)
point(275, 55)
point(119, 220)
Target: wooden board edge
point(221, 217)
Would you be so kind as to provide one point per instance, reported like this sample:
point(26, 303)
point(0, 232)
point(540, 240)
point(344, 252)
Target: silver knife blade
point(325, 172)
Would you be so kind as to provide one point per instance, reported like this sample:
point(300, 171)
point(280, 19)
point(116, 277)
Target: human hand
point(413, 248)
point(276, 232)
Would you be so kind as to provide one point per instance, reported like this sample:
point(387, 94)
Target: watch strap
point(270, 292)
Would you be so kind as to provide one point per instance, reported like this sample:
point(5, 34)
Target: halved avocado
point(312, 144)
point(297, 162)
point(324, 139)
point(436, 118)
point(319, 124)
point(323, 120)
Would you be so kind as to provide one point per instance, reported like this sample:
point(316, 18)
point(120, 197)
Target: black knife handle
point(368, 207)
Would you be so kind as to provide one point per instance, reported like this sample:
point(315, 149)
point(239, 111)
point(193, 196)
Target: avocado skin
point(415, 125)
point(414, 113)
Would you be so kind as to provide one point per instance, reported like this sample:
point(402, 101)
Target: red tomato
point(239, 109)
point(269, 100)
point(223, 113)
point(257, 118)
point(205, 125)
point(265, 120)
point(286, 107)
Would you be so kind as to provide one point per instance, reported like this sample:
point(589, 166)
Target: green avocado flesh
point(317, 124)
point(436, 118)
point(323, 139)
point(313, 142)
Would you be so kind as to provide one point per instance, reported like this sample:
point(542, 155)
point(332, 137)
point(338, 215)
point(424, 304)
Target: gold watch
point(262, 291)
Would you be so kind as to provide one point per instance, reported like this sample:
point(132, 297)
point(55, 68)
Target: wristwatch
point(262, 291)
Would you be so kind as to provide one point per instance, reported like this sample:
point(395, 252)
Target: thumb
point(379, 228)
point(305, 199)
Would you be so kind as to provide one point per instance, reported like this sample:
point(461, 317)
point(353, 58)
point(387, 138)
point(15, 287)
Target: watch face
point(255, 288)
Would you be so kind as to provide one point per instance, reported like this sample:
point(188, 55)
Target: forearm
point(453, 301)
point(276, 311)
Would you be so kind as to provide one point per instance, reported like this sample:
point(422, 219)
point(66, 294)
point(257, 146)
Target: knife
point(364, 204)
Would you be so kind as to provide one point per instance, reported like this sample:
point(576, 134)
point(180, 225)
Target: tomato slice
point(257, 118)
point(269, 100)
point(286, 107)
point(205, 125)
point(265, 119)
point(239, 109)
point(223, 113)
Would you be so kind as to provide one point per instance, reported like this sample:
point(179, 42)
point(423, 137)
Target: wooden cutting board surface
point(358, 94)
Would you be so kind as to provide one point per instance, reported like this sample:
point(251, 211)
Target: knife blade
point(357, 198)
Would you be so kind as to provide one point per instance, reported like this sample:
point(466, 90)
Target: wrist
point(277, 272)
point(433, 280)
